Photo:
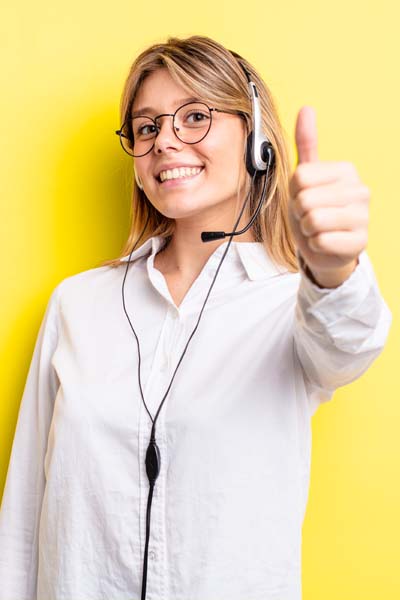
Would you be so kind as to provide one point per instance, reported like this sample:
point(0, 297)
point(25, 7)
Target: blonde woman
point(163, 443)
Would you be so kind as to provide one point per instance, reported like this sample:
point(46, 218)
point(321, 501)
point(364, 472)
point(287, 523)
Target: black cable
point(127, 316)
point(153, 458)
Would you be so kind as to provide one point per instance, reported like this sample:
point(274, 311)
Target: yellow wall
point(65, 207)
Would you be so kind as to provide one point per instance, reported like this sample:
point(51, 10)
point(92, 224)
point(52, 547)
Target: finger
point(320, 220)
point(338, 243)
point(333, 195)
point(321, 173)
point(306, 135)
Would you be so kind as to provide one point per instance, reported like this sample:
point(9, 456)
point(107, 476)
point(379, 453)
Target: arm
point(339, 332)
point(25, 483)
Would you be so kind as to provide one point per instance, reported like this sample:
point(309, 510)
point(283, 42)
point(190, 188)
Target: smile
point(179, 173)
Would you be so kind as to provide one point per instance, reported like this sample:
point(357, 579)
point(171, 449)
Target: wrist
point(331, 278)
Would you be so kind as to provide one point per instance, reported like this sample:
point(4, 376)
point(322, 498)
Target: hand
point(328, 208)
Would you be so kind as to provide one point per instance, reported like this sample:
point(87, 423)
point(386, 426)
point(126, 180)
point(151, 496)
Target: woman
point(163, 444)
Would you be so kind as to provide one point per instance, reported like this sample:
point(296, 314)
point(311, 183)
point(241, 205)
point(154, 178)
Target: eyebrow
point(148, 109)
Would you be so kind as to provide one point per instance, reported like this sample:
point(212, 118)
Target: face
point(211, 193)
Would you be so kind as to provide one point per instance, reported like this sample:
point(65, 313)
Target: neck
point(186, 254)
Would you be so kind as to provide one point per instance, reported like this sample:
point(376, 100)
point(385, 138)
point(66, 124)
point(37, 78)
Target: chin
point(182, 208)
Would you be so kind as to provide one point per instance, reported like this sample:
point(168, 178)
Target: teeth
point(177, 173)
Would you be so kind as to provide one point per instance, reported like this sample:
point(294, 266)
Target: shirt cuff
point(362, 275)
point(329, 305)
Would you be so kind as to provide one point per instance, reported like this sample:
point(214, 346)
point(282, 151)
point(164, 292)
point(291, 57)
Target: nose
point(166, 138)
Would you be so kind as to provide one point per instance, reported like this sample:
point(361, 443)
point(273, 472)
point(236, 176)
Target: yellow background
point(65, 207)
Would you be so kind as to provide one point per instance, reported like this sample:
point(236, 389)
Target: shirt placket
point(158, 380)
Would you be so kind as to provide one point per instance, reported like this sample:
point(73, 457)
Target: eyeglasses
point(191, 122)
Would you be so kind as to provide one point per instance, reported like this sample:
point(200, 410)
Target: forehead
point(160, 93)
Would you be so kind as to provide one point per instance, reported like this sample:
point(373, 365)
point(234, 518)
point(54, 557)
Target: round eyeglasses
point(190, 122)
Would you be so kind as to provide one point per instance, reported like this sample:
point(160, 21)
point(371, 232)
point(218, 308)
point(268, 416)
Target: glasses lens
point(126, 138)
point(144, 131)
point(192, 122)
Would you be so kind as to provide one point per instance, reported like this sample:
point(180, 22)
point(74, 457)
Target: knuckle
point(365, 193)
point(300, 175)
point(347, 167)
point(303, 201)
point(311, 223)
point(361, 240)
point(316, 242)
point(314, 220)
point(323, 241)
point(364, 218)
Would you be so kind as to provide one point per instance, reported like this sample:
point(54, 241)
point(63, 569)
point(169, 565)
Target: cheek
point(142, 166)
point(227, 158)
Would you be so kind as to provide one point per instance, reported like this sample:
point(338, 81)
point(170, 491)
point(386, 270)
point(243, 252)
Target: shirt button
point(152, 555)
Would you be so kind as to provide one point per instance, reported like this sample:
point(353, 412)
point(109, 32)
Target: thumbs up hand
point(328, 209)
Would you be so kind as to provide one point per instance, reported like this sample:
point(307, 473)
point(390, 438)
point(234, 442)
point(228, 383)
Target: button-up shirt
point(234, 432)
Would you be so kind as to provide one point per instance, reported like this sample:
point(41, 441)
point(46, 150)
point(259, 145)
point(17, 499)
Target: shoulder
point(89, 286)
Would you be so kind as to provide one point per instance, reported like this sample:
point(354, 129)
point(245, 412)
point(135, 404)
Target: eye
point(196, 116)
point(143, 127)
point(147, 129)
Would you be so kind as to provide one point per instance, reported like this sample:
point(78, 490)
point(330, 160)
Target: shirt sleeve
point(340, 331)
point(23, 492)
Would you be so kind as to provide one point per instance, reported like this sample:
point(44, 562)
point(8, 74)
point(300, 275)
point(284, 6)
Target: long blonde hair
point(208, 70)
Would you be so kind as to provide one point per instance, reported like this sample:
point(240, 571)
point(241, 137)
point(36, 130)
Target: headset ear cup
point(268, 155)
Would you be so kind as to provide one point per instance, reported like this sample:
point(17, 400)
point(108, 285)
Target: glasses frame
point(120, 133)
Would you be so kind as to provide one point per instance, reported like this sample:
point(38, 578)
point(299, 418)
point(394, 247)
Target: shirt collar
point(253, 256)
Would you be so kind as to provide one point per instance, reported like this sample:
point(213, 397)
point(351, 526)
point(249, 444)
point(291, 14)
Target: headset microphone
point(260, 156)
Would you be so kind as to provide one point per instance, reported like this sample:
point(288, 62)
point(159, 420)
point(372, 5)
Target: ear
point(137, 179)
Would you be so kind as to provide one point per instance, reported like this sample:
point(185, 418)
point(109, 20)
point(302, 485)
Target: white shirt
point(234, 432)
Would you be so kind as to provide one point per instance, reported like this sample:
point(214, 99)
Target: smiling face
point(209, 189)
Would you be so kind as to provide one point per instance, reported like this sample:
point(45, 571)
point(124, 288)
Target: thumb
point(306, 135)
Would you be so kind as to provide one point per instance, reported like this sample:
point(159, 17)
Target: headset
point(260, 157)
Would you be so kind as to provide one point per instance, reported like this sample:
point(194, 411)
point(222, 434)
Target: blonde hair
point(208, 70)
